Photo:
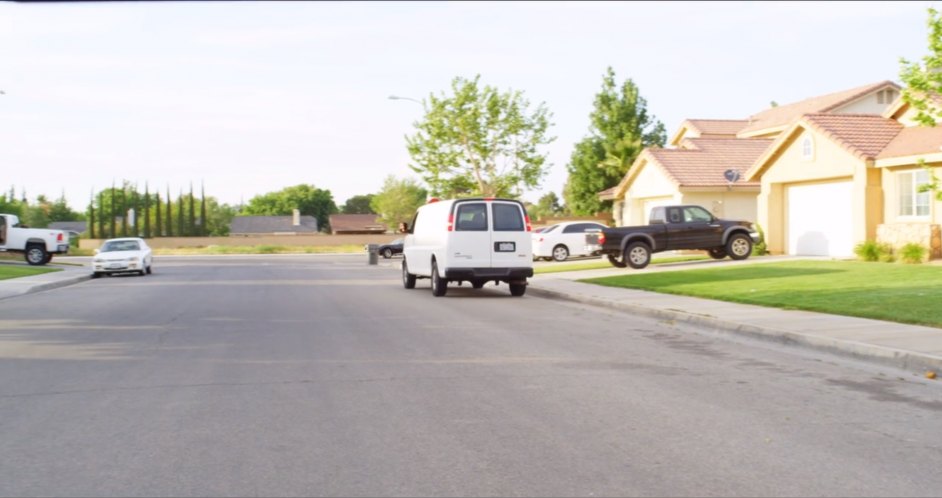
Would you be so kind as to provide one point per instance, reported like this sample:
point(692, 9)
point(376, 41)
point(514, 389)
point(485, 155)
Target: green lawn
point(884, 291)
point(596, 264)
point(15, 271)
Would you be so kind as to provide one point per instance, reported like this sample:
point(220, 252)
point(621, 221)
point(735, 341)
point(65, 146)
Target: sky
point(247, 98)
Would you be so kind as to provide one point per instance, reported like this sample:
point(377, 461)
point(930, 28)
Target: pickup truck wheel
point(739, 246)
point(439, 284)
point(560, 253)
point(617, 263)
point(637, 255)
point(408, 279)
point(717, 253)
point(36, 254)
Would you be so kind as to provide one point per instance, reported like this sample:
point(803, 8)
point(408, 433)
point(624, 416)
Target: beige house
point(829, 182)
point(694, 168)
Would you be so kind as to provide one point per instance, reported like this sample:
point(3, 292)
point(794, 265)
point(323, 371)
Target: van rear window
point(471, 217)
point(508, 218)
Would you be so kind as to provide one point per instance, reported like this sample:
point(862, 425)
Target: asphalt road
point(321, 375)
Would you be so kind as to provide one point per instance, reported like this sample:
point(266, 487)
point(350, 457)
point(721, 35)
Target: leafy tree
point(397, 200)
point(218, 217)
point(308, 199)
point(480, 141)
point(358, 204)
point(924, 80)
point(620, 129)
point(10, 205)
point(923, 90)
point(547, 206)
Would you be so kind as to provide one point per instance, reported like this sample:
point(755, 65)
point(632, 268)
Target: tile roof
point(864, 135)
point(913, 141)
point(704, 166)
point(728, 127)
point(356, 223)
point(272, 224)
point(785, 114)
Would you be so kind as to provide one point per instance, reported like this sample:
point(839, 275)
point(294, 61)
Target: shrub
point(760, 248)
point(867, 251)
point(912, 253)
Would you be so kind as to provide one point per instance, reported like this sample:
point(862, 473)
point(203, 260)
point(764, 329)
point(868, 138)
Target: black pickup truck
point(672, 228)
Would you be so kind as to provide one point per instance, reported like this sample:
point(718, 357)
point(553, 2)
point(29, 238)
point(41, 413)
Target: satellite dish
point(731, 175)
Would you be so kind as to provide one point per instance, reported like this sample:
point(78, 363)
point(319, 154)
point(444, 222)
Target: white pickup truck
point(38, 244)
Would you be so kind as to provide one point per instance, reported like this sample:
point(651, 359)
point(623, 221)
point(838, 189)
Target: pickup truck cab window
point(696, 214)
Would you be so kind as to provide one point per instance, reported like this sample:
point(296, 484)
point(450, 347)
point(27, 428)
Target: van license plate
point(505, 246)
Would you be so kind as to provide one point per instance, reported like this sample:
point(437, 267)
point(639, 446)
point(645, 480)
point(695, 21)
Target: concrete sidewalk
point(69, 275)
point(908, 347)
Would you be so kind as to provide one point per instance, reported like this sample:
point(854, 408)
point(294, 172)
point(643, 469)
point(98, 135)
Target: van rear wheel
point(408, 279)
point(439, 284)
point(518, 290)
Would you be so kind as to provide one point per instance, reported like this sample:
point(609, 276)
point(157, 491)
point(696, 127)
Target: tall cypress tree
point(146, 211)
point(101, 215)
point(124, 209)
point(204, 228)
point(192, 221)
point(181, 225)
point(91, 217)
point(169, 214)
point(114, 221)
point(158, 229)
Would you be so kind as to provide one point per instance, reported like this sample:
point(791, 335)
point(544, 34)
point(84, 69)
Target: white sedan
point(131, 254)
point(562, 240)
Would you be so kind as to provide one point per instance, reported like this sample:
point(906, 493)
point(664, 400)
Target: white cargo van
point(468, 240)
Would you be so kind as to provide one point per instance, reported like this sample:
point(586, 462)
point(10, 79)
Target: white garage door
point(820, 220)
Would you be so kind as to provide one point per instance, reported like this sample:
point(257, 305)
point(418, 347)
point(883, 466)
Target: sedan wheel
point(560, 253)
point(387, 253)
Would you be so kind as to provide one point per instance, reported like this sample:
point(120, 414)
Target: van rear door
point(470, 241)
point(510, 241)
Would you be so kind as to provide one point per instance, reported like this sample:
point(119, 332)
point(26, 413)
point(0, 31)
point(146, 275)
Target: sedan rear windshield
point(122, 245)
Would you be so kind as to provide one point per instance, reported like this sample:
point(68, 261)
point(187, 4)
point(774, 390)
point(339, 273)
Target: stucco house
point(691, 170)
point(830, 182)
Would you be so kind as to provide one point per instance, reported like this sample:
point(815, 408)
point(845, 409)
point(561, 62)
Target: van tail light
point(451, 222)
point(601, 238)
point(529, 227)
point(59, 238)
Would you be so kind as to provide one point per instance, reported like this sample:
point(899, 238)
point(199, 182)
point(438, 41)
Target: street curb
point(51, 285)
point(896, 358)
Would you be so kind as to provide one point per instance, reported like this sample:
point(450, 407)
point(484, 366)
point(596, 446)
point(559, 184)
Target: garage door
point(820, 220)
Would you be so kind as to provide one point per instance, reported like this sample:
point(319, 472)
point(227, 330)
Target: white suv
point(468, 240)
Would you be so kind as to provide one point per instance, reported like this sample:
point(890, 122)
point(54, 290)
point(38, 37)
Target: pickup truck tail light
point(59, 238)
point(601, 238)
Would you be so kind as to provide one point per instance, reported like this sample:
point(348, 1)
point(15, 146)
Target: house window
point(807, 148)
point(911, 201)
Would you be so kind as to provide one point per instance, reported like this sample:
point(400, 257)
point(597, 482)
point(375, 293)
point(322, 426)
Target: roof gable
point(708, 128)
point(862, 135)
point(780, 117)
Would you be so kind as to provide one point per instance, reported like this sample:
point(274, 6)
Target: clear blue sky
point(253, 97)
